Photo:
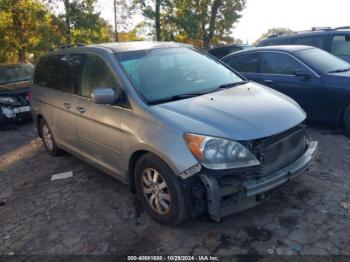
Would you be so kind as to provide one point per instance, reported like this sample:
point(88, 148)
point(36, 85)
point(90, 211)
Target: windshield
point(323, 61)
point(15, 73)
point(161, 74)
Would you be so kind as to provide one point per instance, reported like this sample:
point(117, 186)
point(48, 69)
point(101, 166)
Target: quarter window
point(69, 72)
point(282, 64)
point(316, 41)
point(341, 45)
point(248, 63)
point(97, 74)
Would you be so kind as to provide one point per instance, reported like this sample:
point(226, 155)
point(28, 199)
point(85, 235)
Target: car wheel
point(159, 191)
point(48, 140)
point(347, 119)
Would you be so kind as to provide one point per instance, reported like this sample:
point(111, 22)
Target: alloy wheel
point(156, 191)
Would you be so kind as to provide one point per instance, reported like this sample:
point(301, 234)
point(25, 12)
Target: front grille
point(280, 151)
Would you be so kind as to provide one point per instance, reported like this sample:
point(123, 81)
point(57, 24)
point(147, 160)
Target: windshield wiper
point(189, 95)
point(229, 85)
point(14, 81)
point(176, 97)
point(339, 70)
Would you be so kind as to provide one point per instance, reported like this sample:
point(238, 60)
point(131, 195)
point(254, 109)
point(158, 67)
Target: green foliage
point(273, 31)
point(199, 22)
point(83, 24)
point(26, 26)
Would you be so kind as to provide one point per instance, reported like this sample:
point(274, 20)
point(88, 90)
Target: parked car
point(317, 80)
point(186, 133)
point(222, 51)
point(14, 99)
point(335, 41)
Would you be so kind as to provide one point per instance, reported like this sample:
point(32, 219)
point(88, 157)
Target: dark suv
point(333, 40)
point(222, 51)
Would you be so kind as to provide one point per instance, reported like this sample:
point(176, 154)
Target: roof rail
point(67, 46)
point(321, 28)
point(342, 27)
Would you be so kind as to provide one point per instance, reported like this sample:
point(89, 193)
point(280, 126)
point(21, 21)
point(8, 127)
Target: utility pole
point(115, 21)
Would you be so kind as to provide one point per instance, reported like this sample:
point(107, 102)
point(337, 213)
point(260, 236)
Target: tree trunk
point(157, 20)
point(68, 20)
point(115, 22)
point(22, 54)
point(18, 28)
point(214, 12)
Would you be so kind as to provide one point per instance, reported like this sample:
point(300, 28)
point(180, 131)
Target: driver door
point(99, 125)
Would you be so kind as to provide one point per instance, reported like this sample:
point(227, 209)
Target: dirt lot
point(93, 213)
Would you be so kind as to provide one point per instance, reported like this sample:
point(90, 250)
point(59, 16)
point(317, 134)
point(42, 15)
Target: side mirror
point(303, 73)
point(104, 96)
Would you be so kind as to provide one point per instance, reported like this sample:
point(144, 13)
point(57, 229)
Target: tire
point(164, 199)
point(346, 119)
point(48, 139)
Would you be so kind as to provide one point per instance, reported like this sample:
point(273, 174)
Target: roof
point(139, 45)
point(314, 31)
point(230, 45)
point(285, 48)
point(119, 46)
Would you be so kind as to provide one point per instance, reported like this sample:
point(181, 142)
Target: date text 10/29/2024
point(172, 258)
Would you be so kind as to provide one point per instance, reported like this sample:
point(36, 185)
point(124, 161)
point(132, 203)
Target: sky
point(261, 15)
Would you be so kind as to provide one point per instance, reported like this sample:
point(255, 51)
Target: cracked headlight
point(218, 153)
point(7, 100)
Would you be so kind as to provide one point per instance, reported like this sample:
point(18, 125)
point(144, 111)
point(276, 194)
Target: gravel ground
point(92, 213)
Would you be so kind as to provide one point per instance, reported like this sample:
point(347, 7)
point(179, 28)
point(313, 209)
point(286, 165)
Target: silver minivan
point(189, 135)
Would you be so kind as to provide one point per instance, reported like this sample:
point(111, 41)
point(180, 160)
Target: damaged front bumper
point(243, 193)
point(14, 110)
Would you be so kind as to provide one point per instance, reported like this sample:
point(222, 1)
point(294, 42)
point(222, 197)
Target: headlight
point(219, 153)
point(7, 100)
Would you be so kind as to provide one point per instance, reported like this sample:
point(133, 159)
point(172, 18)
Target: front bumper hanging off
point(240, 195)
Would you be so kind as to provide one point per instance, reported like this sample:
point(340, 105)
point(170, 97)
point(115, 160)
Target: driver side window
point(97, 74)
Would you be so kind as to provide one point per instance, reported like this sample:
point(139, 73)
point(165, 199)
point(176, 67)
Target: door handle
point(268, 81)
point(67, 105)
point(81, 109)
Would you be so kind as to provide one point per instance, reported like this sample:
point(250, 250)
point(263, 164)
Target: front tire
point(48, 139)
point(346, 119)
point(159, 191)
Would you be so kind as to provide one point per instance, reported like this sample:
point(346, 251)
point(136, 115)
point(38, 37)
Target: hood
point(245, 112)
point(14, 86)
point(338, 80)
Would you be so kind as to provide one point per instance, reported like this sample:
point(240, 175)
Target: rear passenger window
point(248, 63)
point(316, 41)
point(45, 72)
point(97, 74)
point(281, 64)
point(341, 45)
point(69, 72)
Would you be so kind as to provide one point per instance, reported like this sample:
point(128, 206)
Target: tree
point(274, 31)
point(207, 20)
point(82, 22)
point(123, 9)
point(157, 11)
point(26, 26)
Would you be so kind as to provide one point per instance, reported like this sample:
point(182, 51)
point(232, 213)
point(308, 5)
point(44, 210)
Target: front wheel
point(347, 119)
point(159, 191)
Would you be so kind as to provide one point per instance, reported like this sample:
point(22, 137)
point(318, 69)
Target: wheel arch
point(135, 156)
